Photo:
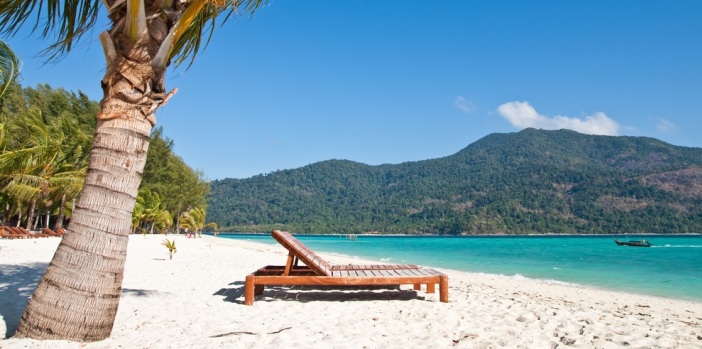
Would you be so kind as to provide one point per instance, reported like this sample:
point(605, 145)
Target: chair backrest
point(48, 231)
point(302, 252)
point(19, 231)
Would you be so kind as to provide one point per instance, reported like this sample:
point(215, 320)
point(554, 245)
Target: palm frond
point(9, 67)
point(66, 21)
point(135, 27)
point(24, 190)
point(186, 43)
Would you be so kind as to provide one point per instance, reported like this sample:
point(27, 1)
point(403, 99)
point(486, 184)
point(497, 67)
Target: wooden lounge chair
point(318, 272)
point(9, 233)
point(34, 235)
point(49, 232)
point(21, 232)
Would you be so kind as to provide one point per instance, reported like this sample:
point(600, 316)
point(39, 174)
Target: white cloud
point(666, 126)
point(523, 115)
point(464, 105)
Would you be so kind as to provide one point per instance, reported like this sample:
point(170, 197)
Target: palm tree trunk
point(59, 219)
point(80, 303)
point(19, 215)
point(78, 295)
point(36, 222)
point(30, 213)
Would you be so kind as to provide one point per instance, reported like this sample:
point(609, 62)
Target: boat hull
point(634, 243)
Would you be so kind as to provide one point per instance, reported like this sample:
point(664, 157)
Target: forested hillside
point(533, 181)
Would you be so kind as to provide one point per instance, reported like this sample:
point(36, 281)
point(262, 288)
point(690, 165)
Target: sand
point(195, 300)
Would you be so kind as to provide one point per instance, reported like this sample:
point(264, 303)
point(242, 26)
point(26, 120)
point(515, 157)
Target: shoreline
point(656, 285)
point(195, 300)
point(476, 235)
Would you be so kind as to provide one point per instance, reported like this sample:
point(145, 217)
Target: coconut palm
point(40, 166)
point(27, 170)
point(194, 220)
point(9, 67)
point(163, 221)
point(149, 212)
point(65, 188)
point(145, 36)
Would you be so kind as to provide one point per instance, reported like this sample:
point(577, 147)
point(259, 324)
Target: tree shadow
point(320, 293)
point(138, 292)
point(18, 284)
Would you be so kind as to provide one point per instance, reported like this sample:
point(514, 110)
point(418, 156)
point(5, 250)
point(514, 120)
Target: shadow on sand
point(319, 293)
point(17, 284)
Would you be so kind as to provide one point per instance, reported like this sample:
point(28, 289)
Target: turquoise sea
point(671, 268)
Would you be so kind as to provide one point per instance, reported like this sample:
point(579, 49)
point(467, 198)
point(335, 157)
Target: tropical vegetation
point(47, 136)
point(533, 181)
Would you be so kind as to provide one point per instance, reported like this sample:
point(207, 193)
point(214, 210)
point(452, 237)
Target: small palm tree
point(170, 245)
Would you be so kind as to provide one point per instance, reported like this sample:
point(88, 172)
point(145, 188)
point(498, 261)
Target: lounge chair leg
point(417, 287)
point(249, 289)
point(443, 288)
point(290, 263)
point(258, 290)
point(430, 287)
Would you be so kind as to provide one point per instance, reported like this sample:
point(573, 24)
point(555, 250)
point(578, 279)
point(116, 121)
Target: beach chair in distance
point(8, 233)
point(21, 232)
point(318, 272)
point(30, 234)
point(49, 232)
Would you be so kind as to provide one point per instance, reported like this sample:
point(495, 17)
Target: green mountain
point(533, 181)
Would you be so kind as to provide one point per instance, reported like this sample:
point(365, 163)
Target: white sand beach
point(195, 300)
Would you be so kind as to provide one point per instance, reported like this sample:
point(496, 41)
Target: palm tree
point(163, 221)
point(28, 170)
point(9, 67)
point(39, 165)
point(85, 274)
point(149, 210)
point(195, 221)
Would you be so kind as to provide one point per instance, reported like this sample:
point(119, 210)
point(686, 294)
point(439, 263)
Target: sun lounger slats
point(303, 253)
point(318, 272)
point(373, 266)
point(386, 273)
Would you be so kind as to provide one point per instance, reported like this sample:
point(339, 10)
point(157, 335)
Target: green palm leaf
point(9, 67)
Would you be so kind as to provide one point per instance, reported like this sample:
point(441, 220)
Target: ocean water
point(671, 268)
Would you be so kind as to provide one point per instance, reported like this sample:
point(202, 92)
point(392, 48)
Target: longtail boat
point(636, 243)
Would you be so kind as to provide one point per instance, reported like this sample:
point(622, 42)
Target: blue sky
point(389, 81)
